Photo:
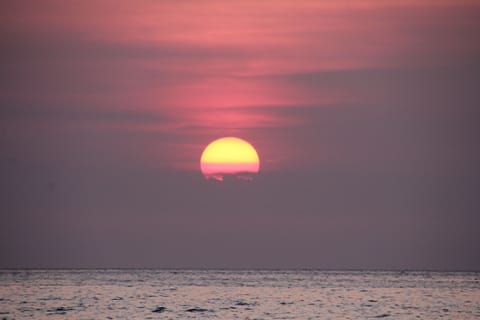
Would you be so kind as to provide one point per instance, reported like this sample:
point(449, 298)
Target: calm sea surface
point(217, 294)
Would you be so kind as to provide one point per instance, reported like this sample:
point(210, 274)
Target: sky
point(365, 116)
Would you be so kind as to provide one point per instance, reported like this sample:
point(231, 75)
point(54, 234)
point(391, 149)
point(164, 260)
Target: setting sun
point(229, 156)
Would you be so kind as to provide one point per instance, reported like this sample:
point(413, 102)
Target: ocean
point(239, 294)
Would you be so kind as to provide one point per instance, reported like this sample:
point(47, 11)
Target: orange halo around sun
point(229, 156)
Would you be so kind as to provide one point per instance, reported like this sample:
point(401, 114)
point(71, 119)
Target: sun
point(229, 156)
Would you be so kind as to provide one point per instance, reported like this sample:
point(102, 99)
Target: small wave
point(197, 310)
point(383, 315)
point(59, 310)
point(159, 309)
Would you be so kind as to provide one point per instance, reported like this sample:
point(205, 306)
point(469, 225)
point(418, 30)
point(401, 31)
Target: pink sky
point(220, 69)
point(364, 115)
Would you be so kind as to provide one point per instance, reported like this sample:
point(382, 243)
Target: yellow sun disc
point(229, 156)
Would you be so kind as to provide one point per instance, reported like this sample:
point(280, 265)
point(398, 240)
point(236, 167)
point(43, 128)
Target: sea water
point(245, 294)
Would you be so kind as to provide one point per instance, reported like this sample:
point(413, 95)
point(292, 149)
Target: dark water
point(217, 294)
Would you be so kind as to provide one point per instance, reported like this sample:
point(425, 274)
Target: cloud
point(364, 117)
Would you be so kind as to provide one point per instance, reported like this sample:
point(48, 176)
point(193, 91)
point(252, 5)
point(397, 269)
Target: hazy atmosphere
point(365, 116)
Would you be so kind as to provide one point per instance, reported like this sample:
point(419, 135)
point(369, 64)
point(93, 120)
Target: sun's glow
point(229, 156)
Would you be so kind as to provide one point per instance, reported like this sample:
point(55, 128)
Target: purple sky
point(365, 117)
